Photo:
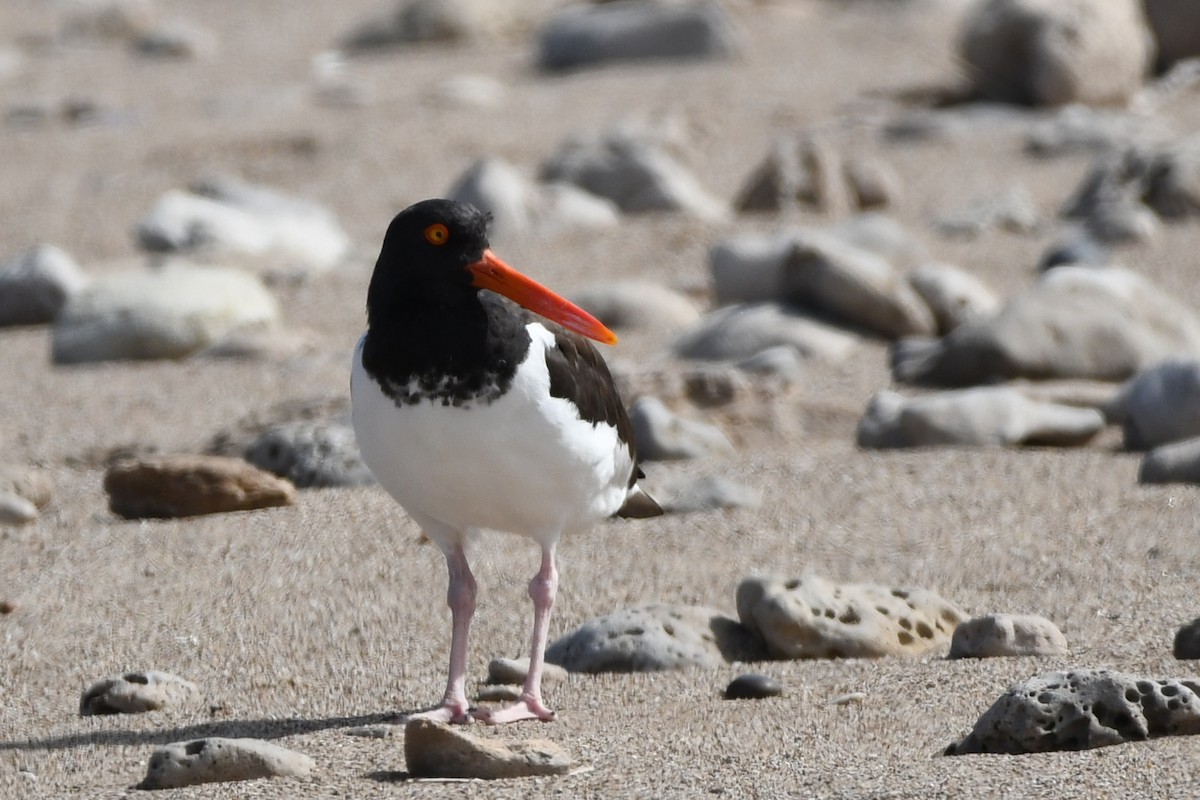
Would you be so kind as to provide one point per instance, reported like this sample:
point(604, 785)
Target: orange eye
point(437, 233)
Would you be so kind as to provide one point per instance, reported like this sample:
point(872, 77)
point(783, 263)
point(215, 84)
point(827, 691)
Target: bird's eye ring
point(437, 234)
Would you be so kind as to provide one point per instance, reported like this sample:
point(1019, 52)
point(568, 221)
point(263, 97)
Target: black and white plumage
point(474, 414)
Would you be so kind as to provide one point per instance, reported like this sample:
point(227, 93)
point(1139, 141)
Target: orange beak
point(492, 273)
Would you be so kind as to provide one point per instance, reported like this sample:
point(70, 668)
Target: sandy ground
point(304, 621)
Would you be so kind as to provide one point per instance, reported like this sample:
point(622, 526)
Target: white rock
point(1081, 709)
point(138, 692)
point(741, 331)
point(811, 617)
point(217, 759)
point(953, 295)
point(662, 435)
point(16, 510)
point(987, 415)
point(36, 284)
point(1007, 635)
point(166, 313)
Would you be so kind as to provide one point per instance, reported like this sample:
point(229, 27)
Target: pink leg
point(542, 590)
point(461, 598)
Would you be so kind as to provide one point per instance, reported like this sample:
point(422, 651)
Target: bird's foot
point(453, 713)
point(523, 709)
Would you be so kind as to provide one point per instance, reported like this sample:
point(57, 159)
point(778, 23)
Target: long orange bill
point(492, 273)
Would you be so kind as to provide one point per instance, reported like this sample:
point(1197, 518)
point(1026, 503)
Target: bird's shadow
point(233, 728)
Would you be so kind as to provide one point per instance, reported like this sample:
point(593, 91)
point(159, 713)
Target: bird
point(480, 404)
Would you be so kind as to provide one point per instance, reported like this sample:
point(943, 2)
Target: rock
point(498, 694)
point(228, 216)
point(513, 671)
point(781, 362)
point(1010, 209)
point(1109, 200)
point(311, 454)
point(1075, 322)
point(271, 344)
point(1007, 635)
point(36, 284)
point(712, 385)
point(1187, 641)
point(1161, 404)
point(707, 494)
point(1082, 709)
point(637, 305)
point(635, 30)
point(633, 170)
point(8, 606)
point(139, 692)
point(1079, 247)
point(798, 170)
point(753, 686)
point(186, 485)
point(742, 331)
point(873, 182)
point(1172, 181)
point(987, 415)
point(662, 435)
point(812, 617)
point(16, 510)
point(217, 759)
point(436, 750)
point(177, 40)
point(1082, 129)
point(412, 21)
point(655, 637)
point(1176, 28)
point(32, 485)
point(1055, 52)
point(167, 313)
point(1178, 462)
point(955, 296)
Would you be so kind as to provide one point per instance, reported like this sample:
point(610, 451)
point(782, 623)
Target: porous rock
point(812, 617)
point(437, 750)
point(311, 454)
point(164, 313)
point(36, 284)
point(655, 637)
point(746, 329)
point(188, 485)
point(986, 415)
point(1074, 322)
point(1054, 52)
point(217, 760)
point(632, 30)
point(137, 693)
point(996, 635)
point(955, 296)
point(662, 435)
point(1082, 709)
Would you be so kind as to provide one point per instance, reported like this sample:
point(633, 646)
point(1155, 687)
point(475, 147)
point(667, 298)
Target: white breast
point(525, 463)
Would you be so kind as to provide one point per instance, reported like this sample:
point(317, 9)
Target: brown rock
point(187, 485)
point(435, 750)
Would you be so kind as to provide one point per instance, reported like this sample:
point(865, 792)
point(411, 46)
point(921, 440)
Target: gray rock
point(216, 760)
point(873, 183)
point(1077, 247)
point(753, 686)
point(955, 296)
point(1054, 52)
point(712, 385)
point(709, 493)
point(1082, 709)
point(798, 171)
point(167, 313)
point(1172, 182)
point(662, 435)
point(781, 362)
point(653, 638)
point(811, 617)
point(16, 510)
point(139, 692)
point(184, 486)
point(988, 415)
point(1161, 404)
point(412, 21)
point(311, 454)
point(177, 40)
point(36, 284)
point(1075, 322)
point(512, 671)
point(742, 331)
point(631, 30)
point(436, 750)
point(1187, 641)
point(229, 216)
point(1176, 27)
point(996, 635)
point(1078, 129)
point(1178, 462)
point(632, 169)
point(1010, 209)
point(637, 305)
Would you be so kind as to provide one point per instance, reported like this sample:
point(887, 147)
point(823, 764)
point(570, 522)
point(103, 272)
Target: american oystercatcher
point(474, 414)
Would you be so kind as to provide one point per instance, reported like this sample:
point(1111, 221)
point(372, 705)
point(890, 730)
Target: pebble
point(1177, 462)
point(176, 40)
point(436, 750)
point(753, 686)
point(219, 760)
point(847, 699)
point(16, 510)
point(138, 692)
point(8, 607)
point(1010, 209)
point(662, 435)
point(36, 284)
point(1161, 404)
point(512, 671)
point(745, 330)
point(955, 297)
point(781, 362)
point(996, 635)
point(188, 485)
point(498, 694)
point(311, 454)
point(637, 305)
point(712, 385)
point(1076, 247)
point(1187, 641)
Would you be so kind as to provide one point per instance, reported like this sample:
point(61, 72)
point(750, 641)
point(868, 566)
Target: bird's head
point(442, 246)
